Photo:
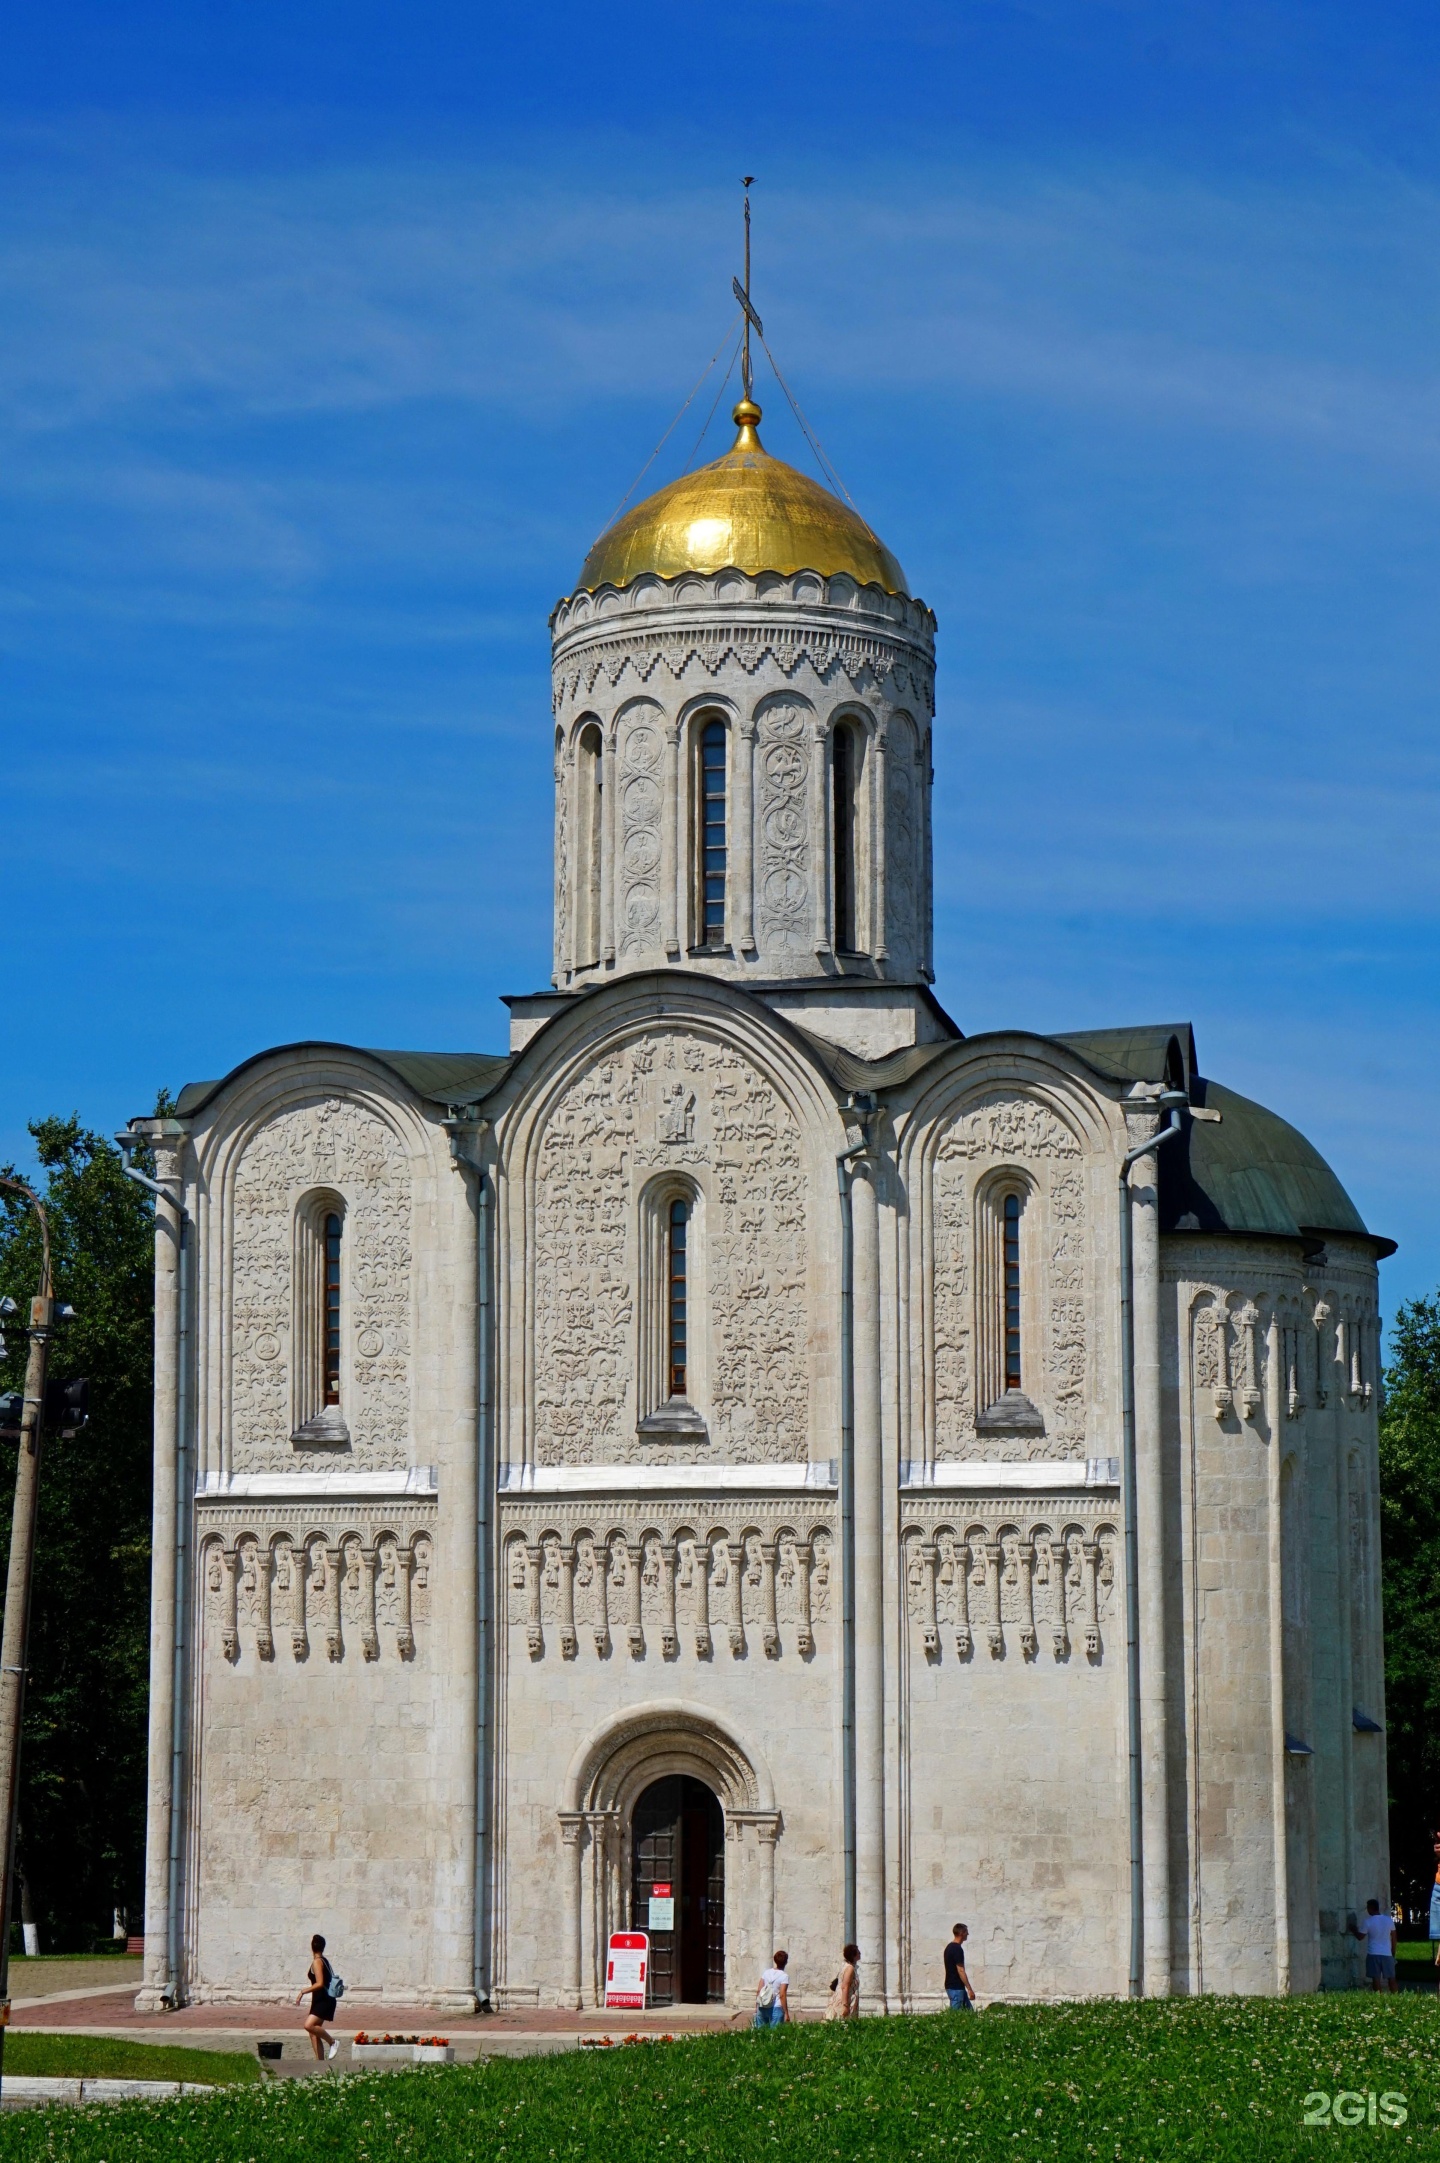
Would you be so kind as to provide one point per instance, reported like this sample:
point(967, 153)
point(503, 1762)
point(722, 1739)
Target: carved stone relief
point(1007, 1129)
point(336, 1144)
point(281, 1584)
point(641, 787)
point(759, 1587)
point(1004, 1586)
point(671, 1100)
point(902, 849)
point(784, 906)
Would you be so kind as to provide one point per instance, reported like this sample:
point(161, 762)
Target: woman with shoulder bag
point(845, 1990)
point(324, 1987)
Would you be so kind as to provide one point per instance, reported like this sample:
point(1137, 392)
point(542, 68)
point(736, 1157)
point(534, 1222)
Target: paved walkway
point(111, 2012)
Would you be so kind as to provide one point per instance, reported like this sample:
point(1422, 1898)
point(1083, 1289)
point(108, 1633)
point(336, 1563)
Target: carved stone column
point(929, 1621)
point(770, 1627)
point(334, 1637)
point(670, 849)
point(229, 1619)
point(767, 1832)
point(569, 1645)
point(609, 811)
point(735, 1587)
point(264, 1628)
point(635, 1629)
point(879, 918)
point(369, 1633)
point(404, 1633)
point(1025, 1573)
point(299, 1558)
point(534, 1633)
point(665, 1563)
point(742, 908)
point(820, 838)
point(572, 1841)
point(1090, 1549)
point(1059, 1611)
point(964, 1643)
point(602, 1586)
point(704, 1644)
point(995, 1628)
point(804, 1558)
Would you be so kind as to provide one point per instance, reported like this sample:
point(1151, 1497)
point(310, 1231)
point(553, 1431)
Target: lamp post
point(15, 1642)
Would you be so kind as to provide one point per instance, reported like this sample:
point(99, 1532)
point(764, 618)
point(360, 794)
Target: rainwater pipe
point(1174, 1098)
point(861, 1108)
point(465, 1123)
point(184, 1500)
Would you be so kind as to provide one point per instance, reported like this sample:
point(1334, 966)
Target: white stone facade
point(414, 1669)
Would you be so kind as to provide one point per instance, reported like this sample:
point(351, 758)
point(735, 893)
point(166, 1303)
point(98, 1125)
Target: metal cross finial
point(742, 294)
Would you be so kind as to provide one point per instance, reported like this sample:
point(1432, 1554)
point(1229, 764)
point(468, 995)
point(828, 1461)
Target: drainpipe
point(1174, 1098)
point(863, 1109)
point(465, 1125)
point(184, 1503)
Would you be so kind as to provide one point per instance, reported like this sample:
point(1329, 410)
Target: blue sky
point(333, 336)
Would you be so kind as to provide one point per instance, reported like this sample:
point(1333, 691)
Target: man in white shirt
point(1377, 1934)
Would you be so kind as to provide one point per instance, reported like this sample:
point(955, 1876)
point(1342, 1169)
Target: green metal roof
point(1258, 1174)
point(440, 1077)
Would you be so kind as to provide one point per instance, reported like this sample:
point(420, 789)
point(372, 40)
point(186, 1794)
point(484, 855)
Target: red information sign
point(627, 1968)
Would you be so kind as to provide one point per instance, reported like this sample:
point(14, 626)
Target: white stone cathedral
point(691, 1448)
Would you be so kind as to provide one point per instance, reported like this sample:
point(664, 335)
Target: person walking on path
point(1435, 1904)
point(1378, 1935)
point(772, 1994)
point(845, 1990)
point(322, 2005)
point(957, 1982)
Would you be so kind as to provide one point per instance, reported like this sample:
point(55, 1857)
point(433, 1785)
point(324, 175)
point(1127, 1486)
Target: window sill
point(326, 1431)
point(1011, 1414)
point(677, 1421)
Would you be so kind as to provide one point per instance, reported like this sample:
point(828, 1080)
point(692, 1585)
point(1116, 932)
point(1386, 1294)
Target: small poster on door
point(662, 1907)
point(627, 1967)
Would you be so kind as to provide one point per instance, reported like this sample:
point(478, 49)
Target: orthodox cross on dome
point(742, 294)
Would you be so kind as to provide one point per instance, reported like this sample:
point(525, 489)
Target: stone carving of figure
point(677, 1114)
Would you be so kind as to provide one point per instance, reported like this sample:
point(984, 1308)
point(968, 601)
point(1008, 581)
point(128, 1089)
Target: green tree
point(1410, 1533)
point(82, 1794)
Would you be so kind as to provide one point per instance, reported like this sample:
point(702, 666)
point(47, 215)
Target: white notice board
point(627, 1968)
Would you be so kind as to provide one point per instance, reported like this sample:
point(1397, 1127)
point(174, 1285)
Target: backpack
point(767, 1996)
point(337, 1985)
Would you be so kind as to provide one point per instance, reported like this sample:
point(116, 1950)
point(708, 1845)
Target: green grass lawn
point(1221, 2079)
point(113, 2057)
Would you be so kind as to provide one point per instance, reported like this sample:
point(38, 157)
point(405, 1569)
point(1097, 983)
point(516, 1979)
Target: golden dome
point(748, 511)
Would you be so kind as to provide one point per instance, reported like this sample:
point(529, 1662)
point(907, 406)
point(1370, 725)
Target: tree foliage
point(82, 1797)
point(1410, 1533)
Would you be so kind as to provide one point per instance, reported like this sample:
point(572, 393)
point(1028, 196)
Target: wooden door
point(678, 1839)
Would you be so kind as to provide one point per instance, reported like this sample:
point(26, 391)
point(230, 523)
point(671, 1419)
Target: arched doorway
point(677, 1842)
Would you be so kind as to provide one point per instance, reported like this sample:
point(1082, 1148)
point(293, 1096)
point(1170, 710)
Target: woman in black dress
point(322, 2005)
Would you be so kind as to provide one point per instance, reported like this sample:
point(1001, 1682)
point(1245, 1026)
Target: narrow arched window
point(675, 1283)
point(843, 805)
point(712, 834)
point(587, 850)
point(330, 1317)
point(1011, 1254)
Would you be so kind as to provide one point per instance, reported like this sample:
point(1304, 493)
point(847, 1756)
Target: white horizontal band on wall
point(1029, 1477)
point(822, 1478)
point(422, 1480)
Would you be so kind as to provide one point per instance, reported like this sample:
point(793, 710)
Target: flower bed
point(390, 2049)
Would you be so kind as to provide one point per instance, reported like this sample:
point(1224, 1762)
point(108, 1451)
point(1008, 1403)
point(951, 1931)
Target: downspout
point(1174, 1098)
point(464, 1124)
point(184, 1503)
point(862, 1107)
